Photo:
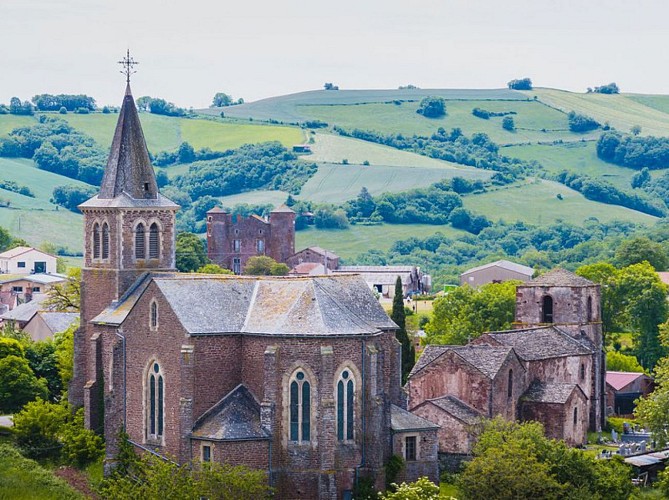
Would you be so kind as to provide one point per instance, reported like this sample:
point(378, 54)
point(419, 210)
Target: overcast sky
point(189, 50)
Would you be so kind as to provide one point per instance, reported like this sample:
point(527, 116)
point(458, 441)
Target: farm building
point(296, 376)
point(623, 388)
point(18, 289)
point(496, 272)
point(548, 369)
point(318, 255)
point(382, 279)
point(27, 260)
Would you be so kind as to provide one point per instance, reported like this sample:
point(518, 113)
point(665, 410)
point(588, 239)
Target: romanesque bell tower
point(128, 230)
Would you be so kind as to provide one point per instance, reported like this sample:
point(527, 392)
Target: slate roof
point(320, 251)
point(236, 417)
point(539, 343)
point(485, 358)
point(26, 311)
point(40, 278)
point(619, 380)
point(404, 421)
point(457, 408)
point(129, 180)
point(504, 264)
point(283, 208)
point(267, 305)
point(376, 269)
point(539, 392)
point(559, 277)
point(58, 321)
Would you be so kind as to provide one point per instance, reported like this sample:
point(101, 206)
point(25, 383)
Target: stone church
point(296, 376)
point(550, 368)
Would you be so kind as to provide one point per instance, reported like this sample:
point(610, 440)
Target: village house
point(18, 289)
point(297, 376)
point(548, 369)
point(27, 260)
point(623, 389)
point(382, 279)
point(496, 272)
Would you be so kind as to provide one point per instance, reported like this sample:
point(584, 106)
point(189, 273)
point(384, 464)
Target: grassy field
point(37, 219)
point(356, 239)
point(23, 479)
point(276, 198)
point(289, 108)
point(537, 203)
point(534, 121)
point(655, 101)
point(618, 110)
point(163, 133)
point(10, 122)
point(579, 157)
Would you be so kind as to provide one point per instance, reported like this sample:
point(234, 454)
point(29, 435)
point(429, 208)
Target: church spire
point(129, 168)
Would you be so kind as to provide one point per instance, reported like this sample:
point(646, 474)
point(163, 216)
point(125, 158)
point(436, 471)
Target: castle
point(297, 376)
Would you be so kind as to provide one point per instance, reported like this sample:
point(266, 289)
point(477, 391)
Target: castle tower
point(573, 304)
point(282, 224)
point(128, 230)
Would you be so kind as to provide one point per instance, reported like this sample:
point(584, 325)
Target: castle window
point(140, 242)
point(154, 246)
point(206, 453)
point(547, 310)
point(410, 448)
point(154, 315)
point(96, 241)
point(105, 241)
point(300, 408)
point(509, 389)
point(345, 406)
point(260, 246)
point(575, 415)
point(237, 266)
point(589, 309)
point(155, 403)
point(582, 371)
point(236, 246)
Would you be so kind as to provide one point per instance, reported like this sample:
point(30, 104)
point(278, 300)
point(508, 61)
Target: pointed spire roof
point(129, 168)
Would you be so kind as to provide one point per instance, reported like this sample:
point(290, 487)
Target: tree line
point(633, 151)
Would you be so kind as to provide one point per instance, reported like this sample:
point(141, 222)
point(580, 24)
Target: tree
point(398, 315)
point(18, 384)
point(262, 265)
point(330, 86)
point(641, 179)
point(636, 250)
point(508, 124)
point(619, 362)
point(212, 268)
point(465, 312)
point(432, 107)
point(581, 123)
point(66, 296)
point(186, 153)
point(610, 88)
point(520, 84)
point(220, 100)
point(653, 410)
point(190, 252)
point(635, 130)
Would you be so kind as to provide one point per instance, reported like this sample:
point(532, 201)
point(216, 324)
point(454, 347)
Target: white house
point(26, 260)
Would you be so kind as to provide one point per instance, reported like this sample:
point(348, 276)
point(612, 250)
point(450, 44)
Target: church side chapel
point(550, 368)
point(298, 376)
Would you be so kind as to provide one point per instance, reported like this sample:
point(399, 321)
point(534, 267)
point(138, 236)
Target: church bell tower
point(129, 229)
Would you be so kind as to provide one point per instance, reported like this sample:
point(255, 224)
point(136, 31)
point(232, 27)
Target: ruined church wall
point(453, 435)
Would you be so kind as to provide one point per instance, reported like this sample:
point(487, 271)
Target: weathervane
point(128, 63)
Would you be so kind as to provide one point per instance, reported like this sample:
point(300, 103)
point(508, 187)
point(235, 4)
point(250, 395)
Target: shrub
point(63, 110)
point(18, 384)
point(508, 124)
point(581, 123)
point(520, 84)
point(432, 107)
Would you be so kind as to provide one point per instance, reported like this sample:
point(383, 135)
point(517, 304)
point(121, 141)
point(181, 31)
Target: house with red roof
point(623, 388)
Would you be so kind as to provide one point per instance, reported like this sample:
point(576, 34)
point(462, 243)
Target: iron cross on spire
point(128, 63)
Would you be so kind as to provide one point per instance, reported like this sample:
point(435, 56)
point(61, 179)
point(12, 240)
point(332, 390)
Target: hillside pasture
point(10, 122)
point(289, 108)
point(578, 157)
point(655, 101)
point(618, 110)
point(357, 239)
point(537, 203)
point(260, 197)
point(534, 121)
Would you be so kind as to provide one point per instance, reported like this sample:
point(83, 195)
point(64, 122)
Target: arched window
point(300, 408)
point(154, 315)
point(575, 415)
point(154, 250)
point(509, 387)
point(345, 405)
point(589, 309)
point(547, 309)
point(105, 241)
point(96, 241)
point(140, 242)
point(155, 403)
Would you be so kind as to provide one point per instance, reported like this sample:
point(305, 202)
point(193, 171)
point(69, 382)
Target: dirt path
point(77, 480)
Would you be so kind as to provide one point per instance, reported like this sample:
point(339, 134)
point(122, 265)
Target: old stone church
point(296, 376)
point(550, 368)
